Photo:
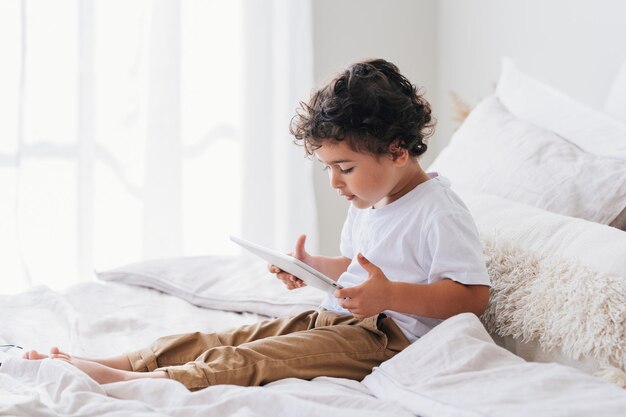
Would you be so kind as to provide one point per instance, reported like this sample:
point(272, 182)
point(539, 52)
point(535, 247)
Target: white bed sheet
point(96, 319)
point(455, 370)
point(104, 319)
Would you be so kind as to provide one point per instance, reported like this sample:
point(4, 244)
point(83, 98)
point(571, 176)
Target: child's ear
point(398, 153)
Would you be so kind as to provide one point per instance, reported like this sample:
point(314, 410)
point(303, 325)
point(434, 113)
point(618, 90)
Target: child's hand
point(368, 298)
point(289, 280)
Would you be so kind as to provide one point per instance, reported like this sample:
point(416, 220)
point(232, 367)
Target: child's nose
point(335, 181)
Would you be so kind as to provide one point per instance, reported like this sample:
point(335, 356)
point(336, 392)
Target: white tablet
point(290, 264)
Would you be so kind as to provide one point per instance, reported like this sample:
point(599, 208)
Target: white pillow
point(615, 104)
point(535, 102)
point(240, 284)
point(494, 152)
point(557, 280)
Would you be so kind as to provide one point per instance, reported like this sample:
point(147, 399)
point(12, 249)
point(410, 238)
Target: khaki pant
point(311, 344)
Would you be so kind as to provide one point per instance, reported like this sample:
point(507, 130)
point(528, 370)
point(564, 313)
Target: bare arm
point(331, 267)
point(440, 300)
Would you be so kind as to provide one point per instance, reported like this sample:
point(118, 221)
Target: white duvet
point(455, 370)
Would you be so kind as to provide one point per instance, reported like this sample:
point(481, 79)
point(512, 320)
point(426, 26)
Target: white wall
point(577, 46)
point(346, 31)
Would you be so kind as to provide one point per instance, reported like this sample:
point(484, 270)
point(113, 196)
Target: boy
point(411, 256)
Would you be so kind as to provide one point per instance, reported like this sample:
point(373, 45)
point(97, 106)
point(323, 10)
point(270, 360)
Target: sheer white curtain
point(148, 129)
point(278, 72)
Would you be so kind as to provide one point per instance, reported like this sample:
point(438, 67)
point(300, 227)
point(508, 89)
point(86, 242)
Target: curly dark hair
point(371, 106)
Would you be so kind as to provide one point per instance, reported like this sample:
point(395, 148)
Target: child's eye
point(343, 171)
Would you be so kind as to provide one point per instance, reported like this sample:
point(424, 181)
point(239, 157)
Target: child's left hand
point(369, 298)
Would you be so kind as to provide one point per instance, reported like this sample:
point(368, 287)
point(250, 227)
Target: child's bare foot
point(100, 373)
point(55, 353)
point(94, 370)
point(33, 355)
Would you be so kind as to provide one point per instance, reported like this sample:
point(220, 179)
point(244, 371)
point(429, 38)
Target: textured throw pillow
point(537, 103)
point(559, 283)
point(240, 284)
point(497, 153)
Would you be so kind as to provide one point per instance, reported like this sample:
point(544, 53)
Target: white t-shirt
point(425, 236)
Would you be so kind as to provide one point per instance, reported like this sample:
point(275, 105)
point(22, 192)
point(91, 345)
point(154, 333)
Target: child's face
point(365, 180)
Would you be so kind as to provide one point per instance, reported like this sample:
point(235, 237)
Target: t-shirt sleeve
point(345, 246)
point(453, 248)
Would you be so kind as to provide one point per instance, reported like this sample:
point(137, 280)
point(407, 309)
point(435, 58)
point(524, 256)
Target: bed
point(456, 370)
point(552, 342)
